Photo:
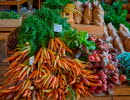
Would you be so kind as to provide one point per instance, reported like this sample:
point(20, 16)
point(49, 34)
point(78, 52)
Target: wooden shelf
point(18, 3)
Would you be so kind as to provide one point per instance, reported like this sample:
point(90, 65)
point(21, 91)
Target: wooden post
point(18, 7)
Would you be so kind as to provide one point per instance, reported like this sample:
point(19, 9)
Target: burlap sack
point(118, 44)
point(106, 31)
point(87, 18)
point(112, 31)
point(98, 15)
point(78, 16)
point(123, 32)
point(127, 44)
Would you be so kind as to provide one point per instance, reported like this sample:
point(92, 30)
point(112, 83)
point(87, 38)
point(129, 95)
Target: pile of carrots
point(53, 74)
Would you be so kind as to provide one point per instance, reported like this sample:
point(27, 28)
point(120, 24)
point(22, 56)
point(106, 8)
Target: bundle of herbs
point(115, 14)
point(9, 15)
point(39, 28)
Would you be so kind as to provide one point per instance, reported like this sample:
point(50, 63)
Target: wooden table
point(18, 3)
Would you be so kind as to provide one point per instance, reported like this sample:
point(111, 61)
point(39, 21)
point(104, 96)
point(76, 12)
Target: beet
point(104, 87)
point(122, 78)
point(93, 87)
point(98, 91)
point(91, 58)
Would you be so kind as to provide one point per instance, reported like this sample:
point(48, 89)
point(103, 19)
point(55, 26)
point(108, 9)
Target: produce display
point(53, 61)
point(9, 15)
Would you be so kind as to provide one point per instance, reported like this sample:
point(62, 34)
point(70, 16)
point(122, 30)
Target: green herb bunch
point(76, 39)
point(39, 28)
point(56, 4)
point(9, 15)
point(115, 14)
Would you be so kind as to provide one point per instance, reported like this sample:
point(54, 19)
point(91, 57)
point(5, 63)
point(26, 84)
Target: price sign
point(57, 28)
point(31, 60)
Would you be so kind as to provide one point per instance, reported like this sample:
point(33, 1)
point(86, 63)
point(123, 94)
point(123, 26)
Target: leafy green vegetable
point(56, 4)
point(115, 14)
point(125, 63)
point(76, 39)
point(39, 28)
point(9, 15)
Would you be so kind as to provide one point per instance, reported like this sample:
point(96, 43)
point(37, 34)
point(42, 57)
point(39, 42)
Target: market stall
point(53, 60)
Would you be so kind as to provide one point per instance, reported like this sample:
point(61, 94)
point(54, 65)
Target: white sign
point(57, 28)
point(31, 60)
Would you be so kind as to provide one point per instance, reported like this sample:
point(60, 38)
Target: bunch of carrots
point(53, 74)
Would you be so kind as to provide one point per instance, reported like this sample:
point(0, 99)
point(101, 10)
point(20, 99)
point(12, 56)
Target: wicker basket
point(11, 42)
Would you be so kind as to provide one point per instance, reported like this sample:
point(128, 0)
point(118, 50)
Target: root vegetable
point(122, 78)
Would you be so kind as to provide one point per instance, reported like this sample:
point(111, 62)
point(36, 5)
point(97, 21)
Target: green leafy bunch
point(39, 28)
point(56, 4)
point(125, 63)
point(115, 14)
point(76, 39)
point(9, 15)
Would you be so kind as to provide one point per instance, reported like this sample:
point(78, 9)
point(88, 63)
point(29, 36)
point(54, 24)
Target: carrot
point(63, 51)
point(25, 93)
point(49, 81)
point(56, 94)
point(49, 45)
point(53, 83)
point(24, 74)
point(29, 93)
point(38, 56)
point(59, 41)
point(38, 96)
point(51, 94)
point(74, 80)
point(52, 44)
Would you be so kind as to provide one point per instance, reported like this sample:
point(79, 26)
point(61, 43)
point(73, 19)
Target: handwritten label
point(57, 28)
point(31, 60)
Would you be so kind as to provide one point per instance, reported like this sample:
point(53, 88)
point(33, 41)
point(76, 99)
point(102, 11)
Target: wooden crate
point(91, 29)
point(10, 22)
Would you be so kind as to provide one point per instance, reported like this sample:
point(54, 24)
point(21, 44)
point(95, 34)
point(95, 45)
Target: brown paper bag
point(123, 32)
point(87, 18)
point(78, 16)
point(127, 44)
point(98, 15)
point(112, 31)
point(118, 44)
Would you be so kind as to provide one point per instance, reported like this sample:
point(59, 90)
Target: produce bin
point(10, 22)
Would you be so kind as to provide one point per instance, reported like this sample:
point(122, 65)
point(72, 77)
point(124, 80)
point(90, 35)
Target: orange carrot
point(38, 56)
